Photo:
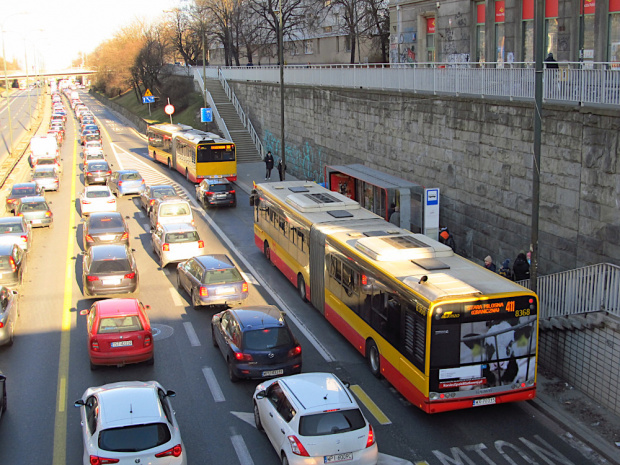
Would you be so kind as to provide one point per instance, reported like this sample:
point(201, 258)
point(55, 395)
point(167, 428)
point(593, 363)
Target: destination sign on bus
point(484, 309)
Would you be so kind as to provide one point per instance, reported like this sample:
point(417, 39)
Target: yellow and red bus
point(446, 333)
point(195, 154)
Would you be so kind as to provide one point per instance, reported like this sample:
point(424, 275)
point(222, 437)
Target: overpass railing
point(221, 124)
point(589, 289)
point(572, 83)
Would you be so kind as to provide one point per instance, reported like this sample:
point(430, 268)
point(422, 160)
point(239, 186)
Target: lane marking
point(214, 386)
point(243, 454)
point(191, 334)
point(176, 298)
point(370, 405)
point(60, 419)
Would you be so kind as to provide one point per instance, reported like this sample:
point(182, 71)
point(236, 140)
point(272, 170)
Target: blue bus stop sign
point(206, 115)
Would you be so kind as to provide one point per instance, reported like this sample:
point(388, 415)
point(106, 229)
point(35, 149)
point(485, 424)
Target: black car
point(12, 264)
point(108, 270)
point(216, 192)
point(105, 228)
point(152, 193)
point(20, 190)
point(97, 172)
point(256, 342)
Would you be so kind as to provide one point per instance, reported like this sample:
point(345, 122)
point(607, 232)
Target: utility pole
point(281, 59)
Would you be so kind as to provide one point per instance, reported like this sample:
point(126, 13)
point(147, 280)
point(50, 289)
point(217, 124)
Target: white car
point(312, 419)
point(133, 416)
point(176, 242)
point(97, 199)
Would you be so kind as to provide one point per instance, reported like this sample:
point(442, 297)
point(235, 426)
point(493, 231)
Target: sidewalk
point(569, 408)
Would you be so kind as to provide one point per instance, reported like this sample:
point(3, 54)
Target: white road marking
point(216, 391)
point(243, 454)
point(191, 334)
point(176, 298)
point(385, 459)
point(245, 416)
point(249, 278)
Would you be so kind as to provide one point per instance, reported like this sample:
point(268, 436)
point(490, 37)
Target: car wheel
point(234, 204)
point(266, 251)
point(284, 459)
point(301, 288)
point(373, 358)
point(213, 340)
point(257, 422)
point(195, 302)
point(93, 367)
point(179, 285)
point(11, 335)
point(169, 164)
point(231, 374)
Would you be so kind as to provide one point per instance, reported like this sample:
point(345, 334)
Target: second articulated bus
point(445, 332)
point(195, 154)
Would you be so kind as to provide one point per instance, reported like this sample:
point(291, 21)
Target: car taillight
point(176, 451)
point(90, 279)
point(201, 244)
point(371, 436)
point(24, 239)
point(193, 224)
point(86, 202)
point(48, 214)
point(143, 182)
point(231, 192)
point(111, 200)
point(20, 214)
point(94, 460)
point(204, 292)
point(125, 236)
point(88, 173)
point(297, 447)
point(89, 238)
point(165, 247)
point(94, 345)
point(12, 200)
point(1, 324)
point(120, 183)
point(130, 275)
point(244, 287)
point(13, 266)
point(152, 201)
point(109, 173)
point(148, 340)
point(243, 357)
point(208, 193)
point(295, 351)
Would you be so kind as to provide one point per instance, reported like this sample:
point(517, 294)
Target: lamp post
point(281, 60)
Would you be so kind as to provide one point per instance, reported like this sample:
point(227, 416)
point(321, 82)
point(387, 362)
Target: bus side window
point(348, 280)
point(414, 336)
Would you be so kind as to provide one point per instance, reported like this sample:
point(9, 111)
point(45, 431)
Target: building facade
point(502, 31)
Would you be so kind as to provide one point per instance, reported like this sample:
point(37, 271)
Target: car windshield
point(43, 174)
point(134, 438)
point(33, 207)
point(268, 338)
point(175, 209)
point(186, 236)
point(159, 193)
point(119, 324)
point(97, 194)
point(11, 228)
point(220, 187)
point(324, 423)
point(105, 222)
point(229, 275)
point(110, 266)
point(131, 177)
point(97, 167)
point(24, 191)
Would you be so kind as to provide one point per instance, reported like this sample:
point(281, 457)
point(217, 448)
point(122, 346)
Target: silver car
point(9, 312)
point(15, 230)
point(46, 177)
point(176, 242)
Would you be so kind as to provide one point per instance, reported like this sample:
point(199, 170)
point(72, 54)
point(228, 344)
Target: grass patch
point(188, 116)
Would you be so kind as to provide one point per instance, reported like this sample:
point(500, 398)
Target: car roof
point(127, 171)
point(171, 199)
point(214, 262)
point(33, 198)
point(6, 249)
point(100, 215)
point(109, 252)
point(176, 227)
point(318, 391)
point(259, 317)
point(162, 186)
point(130, 405)
point(45, 168)
point(111, 307)
point(93, 162)
point(11, 219)
point(24, 184)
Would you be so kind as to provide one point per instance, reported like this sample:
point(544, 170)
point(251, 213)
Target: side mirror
point(78, 403)
point(147, 307)
point(261, 394)
point(84, 312)
point(170, 393)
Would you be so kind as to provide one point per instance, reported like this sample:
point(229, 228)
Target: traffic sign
point(206, 115)
point(146, 99)
point(148, 93)
point(169, 109)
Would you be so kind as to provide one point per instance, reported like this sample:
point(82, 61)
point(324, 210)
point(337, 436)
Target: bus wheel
point(169, 164)
point(373, 358)
point(301, 288)
point(267, 251)
point(186, 175)
point(154, 155)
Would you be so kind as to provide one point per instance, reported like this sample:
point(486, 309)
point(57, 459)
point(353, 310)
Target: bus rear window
point(206, 154)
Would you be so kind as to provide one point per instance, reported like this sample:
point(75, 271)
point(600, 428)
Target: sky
point(55, 32)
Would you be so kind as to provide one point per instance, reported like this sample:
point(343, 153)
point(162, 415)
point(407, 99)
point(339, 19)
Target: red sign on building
point(430, 25)
point(480, 13)
point(588, 7)
point(500, 12)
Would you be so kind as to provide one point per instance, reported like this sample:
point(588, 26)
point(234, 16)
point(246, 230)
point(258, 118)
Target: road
point(48, 365)
point(23, 104)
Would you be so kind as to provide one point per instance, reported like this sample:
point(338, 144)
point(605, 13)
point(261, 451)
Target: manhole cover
point(161, 331)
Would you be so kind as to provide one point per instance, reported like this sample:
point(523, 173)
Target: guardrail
point(572, 83)
point(216, 115)
point(592, 288)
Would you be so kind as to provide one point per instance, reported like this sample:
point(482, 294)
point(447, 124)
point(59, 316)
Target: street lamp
point(281, 60)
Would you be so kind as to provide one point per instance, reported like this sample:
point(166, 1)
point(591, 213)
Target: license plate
point(273, 373)
point(99, 179)
point(35, 221)
point(487, 401)
point(107, 237)
point(338, 458)
point(225, 290)
point(121, 343)
point(110, 281)
point(220, 196)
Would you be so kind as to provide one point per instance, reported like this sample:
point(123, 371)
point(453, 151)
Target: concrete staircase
point(246, 150)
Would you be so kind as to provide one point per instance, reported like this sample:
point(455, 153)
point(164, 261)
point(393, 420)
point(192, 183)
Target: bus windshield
point(206, 153)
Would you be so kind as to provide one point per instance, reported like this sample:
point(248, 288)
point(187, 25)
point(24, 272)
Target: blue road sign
point(206, 115)
point(150, 99)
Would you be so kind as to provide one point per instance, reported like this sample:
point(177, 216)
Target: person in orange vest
point(446, 238)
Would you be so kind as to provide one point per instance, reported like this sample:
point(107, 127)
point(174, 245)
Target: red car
point(119, 332)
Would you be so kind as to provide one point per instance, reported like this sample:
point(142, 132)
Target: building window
point(308, 48)
point(499, 31)
point(614, 33)
point(430, 39)
point(347, 43)
point(327, 29)
point(480, 32)
point(527, 16)
point(551, 27)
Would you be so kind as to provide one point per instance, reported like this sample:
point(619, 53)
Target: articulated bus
point(195, 154)
point(446, 333)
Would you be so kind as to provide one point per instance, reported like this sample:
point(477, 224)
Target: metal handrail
point(221, 124)
point(592, 288)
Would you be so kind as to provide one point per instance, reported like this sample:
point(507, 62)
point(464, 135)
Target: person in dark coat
point(445, 237)
point(268, 165)
point(521, 268)
point(489, 265)
point(550, 62)
point(506, 271)
point(281, 169)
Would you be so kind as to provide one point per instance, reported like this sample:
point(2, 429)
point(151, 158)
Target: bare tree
point(185, 32)
point(378, 18)
point(354, 22)
point(149, 61)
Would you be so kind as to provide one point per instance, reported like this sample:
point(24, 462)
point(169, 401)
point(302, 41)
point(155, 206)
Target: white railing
point(221, 124)
point(572, 83)
point(590, 289)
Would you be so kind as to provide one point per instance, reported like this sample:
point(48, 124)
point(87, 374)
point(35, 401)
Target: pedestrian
point(505, 270)
point(391, 210)
point(281, 169)
point(395, 217)
point(489, 265)
point(521, 267)
point(268, 165)
point(550, 62)
point(445, 237)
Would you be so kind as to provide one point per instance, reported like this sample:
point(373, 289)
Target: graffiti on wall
point(305, 161)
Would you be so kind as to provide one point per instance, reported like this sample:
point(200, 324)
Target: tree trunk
point(352, 36)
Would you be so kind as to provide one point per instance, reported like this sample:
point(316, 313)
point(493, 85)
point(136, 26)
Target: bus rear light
point(231, 191)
